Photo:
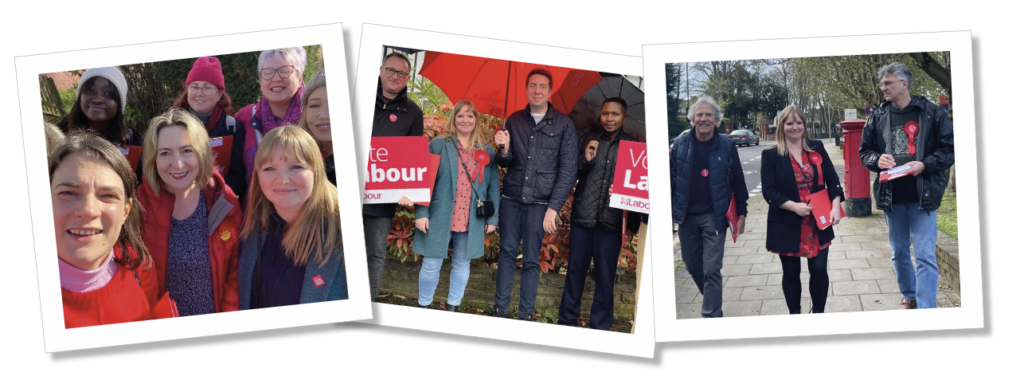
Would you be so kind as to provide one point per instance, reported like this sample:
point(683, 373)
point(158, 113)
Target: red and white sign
point(630, 186)
point(398, 166)
point(132, 153)
point(221, 147)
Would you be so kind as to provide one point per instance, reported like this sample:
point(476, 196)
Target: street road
point(750, 157)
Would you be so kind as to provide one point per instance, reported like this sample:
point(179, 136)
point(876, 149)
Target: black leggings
point(818, 267)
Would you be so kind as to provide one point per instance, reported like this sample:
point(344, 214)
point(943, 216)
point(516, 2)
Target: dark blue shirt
point(279, 280)
point(700, 183)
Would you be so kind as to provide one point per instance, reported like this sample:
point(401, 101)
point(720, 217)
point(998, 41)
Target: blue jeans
point(430, 272)
point(908, 224)
point(519, 222)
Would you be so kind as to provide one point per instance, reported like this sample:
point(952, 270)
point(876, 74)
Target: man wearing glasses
point(538, 149)
point(909, 130)
point(393, 115)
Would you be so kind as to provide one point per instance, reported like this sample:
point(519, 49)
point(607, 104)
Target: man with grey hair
point(706, 175)
point(909, 130)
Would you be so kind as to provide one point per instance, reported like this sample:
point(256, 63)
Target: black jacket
point(778, 184)
point(934, 149)
point(398, 117)
point(590, 202)
point(541, 160)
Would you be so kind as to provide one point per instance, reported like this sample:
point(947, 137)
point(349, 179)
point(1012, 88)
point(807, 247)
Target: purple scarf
point(291, 116)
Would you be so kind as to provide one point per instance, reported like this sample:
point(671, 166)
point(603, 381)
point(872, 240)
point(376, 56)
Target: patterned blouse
point(809, 246)
point(463, 190)
point(189, 274)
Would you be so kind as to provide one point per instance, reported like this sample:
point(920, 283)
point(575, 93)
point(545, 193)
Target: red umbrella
point(498, 87)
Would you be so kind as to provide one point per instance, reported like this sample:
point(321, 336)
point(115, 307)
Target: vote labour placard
point(398, 167)
point(630, 185)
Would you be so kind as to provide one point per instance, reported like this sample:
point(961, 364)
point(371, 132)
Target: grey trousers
point(703, 248)
point(376, 229)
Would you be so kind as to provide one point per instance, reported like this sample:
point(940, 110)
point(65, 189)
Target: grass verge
point(947, 215)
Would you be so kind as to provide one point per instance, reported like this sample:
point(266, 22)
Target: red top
point(122, 300)
point(804, 176)
point(463, 191)
point(223, 241)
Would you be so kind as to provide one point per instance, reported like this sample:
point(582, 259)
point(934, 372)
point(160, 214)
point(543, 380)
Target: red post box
point(857, 177)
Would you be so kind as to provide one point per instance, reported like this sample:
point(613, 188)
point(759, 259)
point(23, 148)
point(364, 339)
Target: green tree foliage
point(673, 78)
point(152, 87)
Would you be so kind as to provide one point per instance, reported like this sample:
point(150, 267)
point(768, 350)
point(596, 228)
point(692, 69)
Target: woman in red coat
point(106, 273)
point(192, 217)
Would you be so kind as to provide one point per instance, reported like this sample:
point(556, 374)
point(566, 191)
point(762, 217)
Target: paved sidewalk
point(861, 276)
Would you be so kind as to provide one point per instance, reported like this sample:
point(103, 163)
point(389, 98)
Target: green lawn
point(947, 215)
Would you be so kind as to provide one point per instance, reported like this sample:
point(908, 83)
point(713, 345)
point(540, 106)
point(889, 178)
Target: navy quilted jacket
point(541, 160)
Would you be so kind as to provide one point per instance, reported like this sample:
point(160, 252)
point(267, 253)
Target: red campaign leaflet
point(895, 172)
point(631, 184)
point(398, 167)
point(132, 153)
point(821, 208)
point(221, 147)
point(732, 218)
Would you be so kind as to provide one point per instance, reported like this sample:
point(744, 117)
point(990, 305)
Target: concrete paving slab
point(873, 273)
point(855, 287)
point(754, 259)
point(686, 296)
point(888, 286)
point(843, 304)
point(778, 307)
point(762, 293)
point(736, 270)
point(847, 264)
point(746, 281)
point(741, 308)
point(688, 311)
point(765, 268)
point(880, 302)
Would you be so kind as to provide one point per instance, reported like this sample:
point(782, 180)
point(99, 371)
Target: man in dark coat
point(596, 227)
point(706, 175)
point(909, 131)
point(393, 115)
point(538, 148)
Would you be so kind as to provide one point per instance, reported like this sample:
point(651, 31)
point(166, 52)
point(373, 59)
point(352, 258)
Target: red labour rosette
point(816, 160)
point(910, 128)
point(482, 159)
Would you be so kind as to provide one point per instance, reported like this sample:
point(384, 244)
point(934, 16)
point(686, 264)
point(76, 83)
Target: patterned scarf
point(291, 116)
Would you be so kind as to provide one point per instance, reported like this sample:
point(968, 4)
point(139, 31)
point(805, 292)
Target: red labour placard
point(630, 187)
point(221, 147)
point(398, 166)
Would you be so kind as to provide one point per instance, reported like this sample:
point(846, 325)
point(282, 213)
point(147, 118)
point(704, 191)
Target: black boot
point(451, 308)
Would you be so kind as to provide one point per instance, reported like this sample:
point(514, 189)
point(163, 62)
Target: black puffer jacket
point(541, 160)
point(934, 149)
point(590, 202)
point(398, 117)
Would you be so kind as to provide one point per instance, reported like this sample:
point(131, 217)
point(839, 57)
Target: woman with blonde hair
point(106, 272)
point(291, 237)
point(790, 172)
point(466, 180)
point(192, 216)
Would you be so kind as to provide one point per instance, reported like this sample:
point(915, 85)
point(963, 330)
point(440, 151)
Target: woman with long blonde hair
point(790, 172)
point(466, 178)
point(291, 237)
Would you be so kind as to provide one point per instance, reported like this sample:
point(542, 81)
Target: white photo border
point(971, 312)
point(56, 337)
point(374, 38)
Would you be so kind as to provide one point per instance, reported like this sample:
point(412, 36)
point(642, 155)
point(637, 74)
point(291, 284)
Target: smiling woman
point(291, 239)
point(105, 269)
point(192, 217)
point(99, 106)
point(280, 75)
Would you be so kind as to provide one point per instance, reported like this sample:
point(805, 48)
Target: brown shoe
point(907, 304)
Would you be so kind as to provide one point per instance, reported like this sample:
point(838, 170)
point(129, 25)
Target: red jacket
point(222, 207)
point(122, 300)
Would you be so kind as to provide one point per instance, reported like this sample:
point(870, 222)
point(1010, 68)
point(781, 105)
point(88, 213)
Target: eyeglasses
point(206, 89)
point(391, 71)
point(285, 71)
point(886, 84)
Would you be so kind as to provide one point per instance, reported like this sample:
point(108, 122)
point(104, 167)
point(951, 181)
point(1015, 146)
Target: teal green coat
point(434, 243)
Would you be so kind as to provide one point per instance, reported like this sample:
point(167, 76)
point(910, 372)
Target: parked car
point(744, 137)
